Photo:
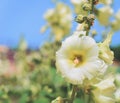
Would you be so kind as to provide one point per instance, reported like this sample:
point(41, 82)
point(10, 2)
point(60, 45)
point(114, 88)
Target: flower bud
point(79, 19)
point(91, 17)
point(87, 7)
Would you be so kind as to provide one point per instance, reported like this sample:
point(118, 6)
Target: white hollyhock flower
point(103, 92)
point(78, 60)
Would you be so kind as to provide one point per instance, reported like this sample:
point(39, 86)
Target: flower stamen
point(77, 60)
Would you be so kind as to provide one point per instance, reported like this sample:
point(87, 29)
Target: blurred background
point(30, 34)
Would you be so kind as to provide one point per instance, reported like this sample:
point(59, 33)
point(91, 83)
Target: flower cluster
point(59, 19)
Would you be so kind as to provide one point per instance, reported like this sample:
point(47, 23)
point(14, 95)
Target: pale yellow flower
point(104, 15)
point(117, 15)
point(59, 20)
point(77, 59)
point(116, 22)
point(104, 91)
point(104, 50)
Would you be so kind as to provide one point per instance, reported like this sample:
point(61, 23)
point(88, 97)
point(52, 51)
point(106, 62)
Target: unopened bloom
point(104, 50)
point(104, 90)
point(78, 60)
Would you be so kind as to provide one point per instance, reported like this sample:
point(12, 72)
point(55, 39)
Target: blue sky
point(25, 17)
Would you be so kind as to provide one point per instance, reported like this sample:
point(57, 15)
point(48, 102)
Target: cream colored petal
point(104, 99)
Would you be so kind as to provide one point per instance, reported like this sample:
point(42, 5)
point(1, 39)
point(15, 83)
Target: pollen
point(77, 60)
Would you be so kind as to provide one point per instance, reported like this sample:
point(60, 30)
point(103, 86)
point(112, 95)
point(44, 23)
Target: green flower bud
point(87, 7)
point(79, 19)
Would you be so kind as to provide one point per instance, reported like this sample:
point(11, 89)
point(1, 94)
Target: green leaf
point(42, 100)
point(78, 100)
point(24, 98)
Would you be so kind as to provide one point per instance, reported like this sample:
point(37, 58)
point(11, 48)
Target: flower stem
point(92, 4)
point(73, 93)
point(91, 12)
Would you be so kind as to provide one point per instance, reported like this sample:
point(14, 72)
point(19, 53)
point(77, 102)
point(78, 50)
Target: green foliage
point(33, 76)
point(116, 52)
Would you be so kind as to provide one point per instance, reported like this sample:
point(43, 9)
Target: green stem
point(87, 33)
point(73, 93)
point(92, 4)
point(91, 12)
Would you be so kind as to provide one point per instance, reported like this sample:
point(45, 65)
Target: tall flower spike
point(77, 59)
point(105, 53)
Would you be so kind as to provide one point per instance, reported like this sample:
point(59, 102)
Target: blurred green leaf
point(42, 100)
point(24, 98)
